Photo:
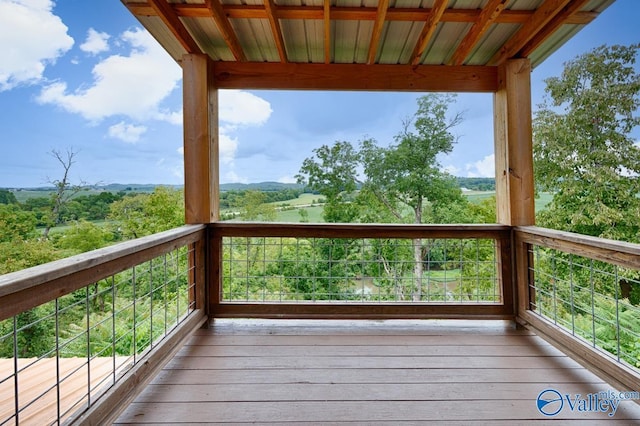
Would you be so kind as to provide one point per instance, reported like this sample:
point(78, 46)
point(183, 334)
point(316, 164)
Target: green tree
point(83, 236)
point(16, 224)
point(146, 214)
point(584, 154)
point(253, 205)
point(18, 255)
point(399, 180)
point(332, 172)
point(7, 197)
point(583, 150)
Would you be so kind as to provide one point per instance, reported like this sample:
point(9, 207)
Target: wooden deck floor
point(366, 373)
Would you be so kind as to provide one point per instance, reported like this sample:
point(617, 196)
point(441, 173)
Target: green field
point(543, 199)
point(302, 200)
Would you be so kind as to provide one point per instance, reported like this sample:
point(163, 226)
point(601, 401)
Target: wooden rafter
point(560, 19)
point(378, 25)
point(274, 21)
point(326, 17)
point(165, 12)
point(542, 16)
point(427, 31)
point(217, 13)
point(487, 17)
point(237, 11)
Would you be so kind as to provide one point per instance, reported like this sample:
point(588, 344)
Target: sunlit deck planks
point(365, 372)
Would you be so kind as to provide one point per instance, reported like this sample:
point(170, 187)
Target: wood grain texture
point(540, 18)
point(490, 13)
point(214, 7)
point(619, 253)
point(245, 11)
point(200, 130)
point(23, 290)
point(423, 78)
point(618, 374)
point(240, 372)
point(513, 144)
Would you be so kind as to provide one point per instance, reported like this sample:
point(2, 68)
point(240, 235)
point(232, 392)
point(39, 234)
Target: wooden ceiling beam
point(564, 17)
point(298, 76)
point(274, 21)
point(348, 13)
point(486, 18)
point(542, 16)
point(326, 17)
point(164, 11)
point(378, 25)
point(224, 26)
point(427, 31)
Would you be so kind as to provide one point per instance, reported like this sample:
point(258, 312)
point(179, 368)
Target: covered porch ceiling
point(397, 45)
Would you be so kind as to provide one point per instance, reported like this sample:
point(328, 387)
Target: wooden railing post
point(198, 274)
point(215, 275)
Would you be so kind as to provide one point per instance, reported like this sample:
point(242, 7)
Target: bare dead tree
point(64, 190)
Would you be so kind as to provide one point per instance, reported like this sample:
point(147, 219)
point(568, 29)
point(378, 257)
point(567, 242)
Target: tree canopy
point(397, 181)
point(583, 150)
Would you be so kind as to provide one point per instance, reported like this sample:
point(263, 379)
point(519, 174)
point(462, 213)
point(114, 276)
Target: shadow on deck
point(370, 372)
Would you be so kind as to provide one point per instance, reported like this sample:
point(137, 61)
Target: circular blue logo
point(549, 402)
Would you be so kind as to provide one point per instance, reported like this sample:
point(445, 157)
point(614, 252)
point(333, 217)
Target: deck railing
point(105, 320)
point(361, 271)
point(74, 334)
point(584, 293)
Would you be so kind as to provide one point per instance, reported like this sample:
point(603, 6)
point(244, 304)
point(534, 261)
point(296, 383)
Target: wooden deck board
point(372, 373)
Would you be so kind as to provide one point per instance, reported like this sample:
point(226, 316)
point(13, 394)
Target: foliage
point(83, 236)
point(15, 224)
point(7, 197)
point(583, 149)
point(332, 173)
point(477, 183)
point(231, 198)
point(18, 255)
point(254, 207)
point(146, 214)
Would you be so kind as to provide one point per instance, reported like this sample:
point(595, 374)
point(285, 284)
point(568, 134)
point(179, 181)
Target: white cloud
point(174, 117)
point(180, 150)
point(287, 179)
point(31, 37)
point(238, 107)
point(234, 178)
point(227, 149)
point(482, 168)
point(127, 132)
point(178, 172)
point(452, 170)
point(123, 85)
point(96, 42)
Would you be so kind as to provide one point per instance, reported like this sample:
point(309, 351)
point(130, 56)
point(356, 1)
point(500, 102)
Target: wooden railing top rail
point(359, 230)
point(619, 253)
point(23, 290)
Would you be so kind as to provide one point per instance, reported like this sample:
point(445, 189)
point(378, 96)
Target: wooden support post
point(200, 103)
point(514, 162)
point(513, 144)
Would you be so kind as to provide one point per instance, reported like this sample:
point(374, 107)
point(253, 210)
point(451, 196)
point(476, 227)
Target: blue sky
point(84, 75)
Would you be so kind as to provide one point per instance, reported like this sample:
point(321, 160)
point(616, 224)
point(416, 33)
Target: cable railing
point(363, 270)
point(587, 288)
point(71, 331)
